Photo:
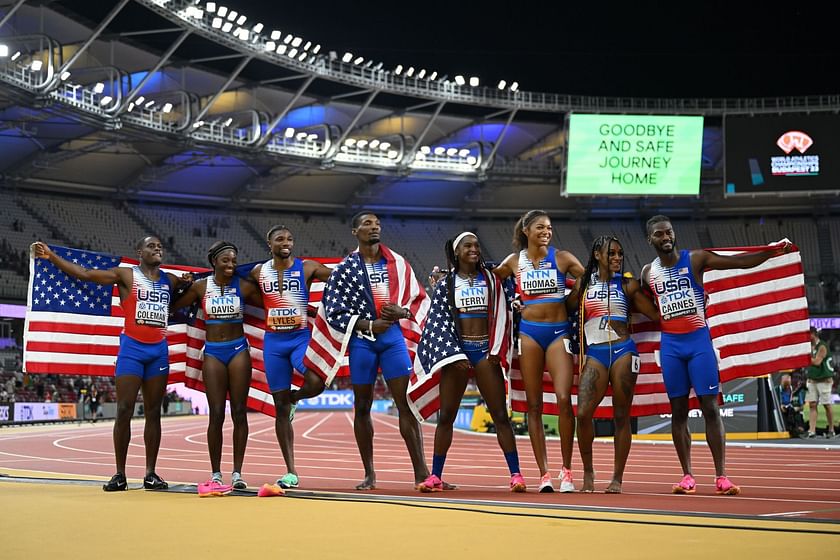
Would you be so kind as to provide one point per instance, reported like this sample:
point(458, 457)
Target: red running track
point(777, 482)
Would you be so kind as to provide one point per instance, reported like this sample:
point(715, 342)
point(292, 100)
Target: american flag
point(439, 344)
point(758, 319)
point(73, 327)
point(347, 299)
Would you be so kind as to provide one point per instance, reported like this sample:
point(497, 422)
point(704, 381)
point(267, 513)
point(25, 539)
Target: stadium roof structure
point(193, 102)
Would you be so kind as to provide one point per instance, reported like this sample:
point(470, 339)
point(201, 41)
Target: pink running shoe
point(724, 487)
point(545, 484)
point(213, 488)
point(431, 484)
point(685, 486)
point(517, 483)
point(270, 490)
point(566, 482)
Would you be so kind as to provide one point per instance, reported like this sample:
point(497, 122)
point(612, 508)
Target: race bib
point(284, 318)
point(543, 281)
point(224, 307)
point(151, 314)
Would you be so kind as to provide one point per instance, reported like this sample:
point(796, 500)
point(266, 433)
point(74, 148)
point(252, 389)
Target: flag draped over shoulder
point(758, 320)
point(346, 299)
point(440, 344)
point(73, 327)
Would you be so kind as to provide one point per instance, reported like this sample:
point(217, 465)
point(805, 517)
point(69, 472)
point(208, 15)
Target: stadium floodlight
point(106, 100)
point(433, 75)
point(289, 132)
point(440, 150)
point(198, 124)
point(344, 149)
point(270, 46)
point(16, 56)
point(474, 81)
point(228, 121)
point(130, 107)
point(384, 146)
point(463, 152)
point(65, 75)
point(140, 99)
point(514, 86)
point(410, 71)
point(425, 150)
point(378, 66)
point(317, 49)
point(167, 107)
point(301, 136)
point(222, 11)
point(297, 41)
point(36, 65)
point(275, 35)
point(359, 60)
point(149, 104)
point(459, 79)
point(293, 53)
point(99, 87)
point(217, 23)
point(393, 154)
point(257, 28)
point(210, 7)
point(472, 160)
point(420, 156)
point(227, 27)
point(421, 73)
point(312, 137)
point(241, 20)
point(287, 39)
point(307, 45)
point(361, 144)
point(398, 70)
point(350, 142)
point(281, 49)
point(347, 57)
point(374, 143)
point(232, 15)
point(303, 56)
point(242, 33)
point(502, 84)
point(452, 152)
point(4, 51)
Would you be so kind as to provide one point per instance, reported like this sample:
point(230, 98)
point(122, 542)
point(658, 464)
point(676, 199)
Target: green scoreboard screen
point(634, 155)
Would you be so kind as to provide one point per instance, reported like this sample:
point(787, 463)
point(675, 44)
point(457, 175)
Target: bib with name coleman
point(284, 297)
point(147, 307)
point(604, 302)
point(471, 299)
point(544, 283)
point(681, 301)
point(222, 304)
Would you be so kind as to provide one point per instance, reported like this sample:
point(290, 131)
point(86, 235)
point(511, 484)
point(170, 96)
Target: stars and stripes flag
point(440, 344)
point(347, 298)
point(72, 327)
point(759, 324)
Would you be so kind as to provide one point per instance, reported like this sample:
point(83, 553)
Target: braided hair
point(604, 242)
point(520, 240)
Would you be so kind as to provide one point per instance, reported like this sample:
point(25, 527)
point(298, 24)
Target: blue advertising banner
point(329, 400)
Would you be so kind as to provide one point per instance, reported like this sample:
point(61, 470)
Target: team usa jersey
point(544, 284)
point(284, 301)
point(222, 304)
point(681, 301)
point(471, 296)
point(604, 302)
point(147, 307)
point(378, 276)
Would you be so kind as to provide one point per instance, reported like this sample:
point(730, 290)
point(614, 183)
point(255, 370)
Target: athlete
point(606, 299)
point(544, 334)
point(226, 367)
point(686, 353)
point(143, 358)
point(373, 301)
point(470, 309)
point(284, 282)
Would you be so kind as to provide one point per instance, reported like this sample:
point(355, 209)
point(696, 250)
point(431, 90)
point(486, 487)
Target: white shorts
point(819, 391)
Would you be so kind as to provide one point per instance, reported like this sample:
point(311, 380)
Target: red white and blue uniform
point(223, 304)
point(687, 356)
point(605, 302)
point(471, 300)
point(285, 298)
point(143, 349)
point(543, 283)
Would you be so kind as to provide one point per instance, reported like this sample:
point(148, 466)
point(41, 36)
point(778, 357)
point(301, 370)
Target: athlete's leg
point(591, 389)
point(127, 388)
point(283, 427)
point(680, 433)
point(239, 382)
point(491, 384)
point(409, 427)
point(313, 385)
point(363, 430)
point(715, 432)
point(215, 376)
point(153, 390)
point(453, 383)
point(532, 364)
point(561, 369)
point(623, 382)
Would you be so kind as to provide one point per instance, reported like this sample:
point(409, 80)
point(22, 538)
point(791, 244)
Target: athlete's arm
point(116, 275)
point(820, 356)
point(176, 281)
point(569, 263)
point(194, 293)
point(701, 260)
point(254, 275)
point(314, 269)
point(641, 302)
point(506, 267)
point(251, 292)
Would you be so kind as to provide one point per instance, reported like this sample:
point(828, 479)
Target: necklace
point(470, 277)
